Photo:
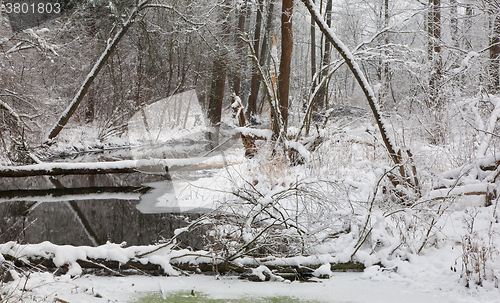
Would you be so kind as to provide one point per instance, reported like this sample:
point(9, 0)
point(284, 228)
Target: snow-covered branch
point(11, 111)
point(127, 166)
point(358, 74)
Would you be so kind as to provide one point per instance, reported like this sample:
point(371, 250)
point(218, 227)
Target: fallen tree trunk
point(154, 166)
point(73, 194)
point(136, 267)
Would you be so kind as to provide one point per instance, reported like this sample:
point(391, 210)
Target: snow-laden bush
point(481, 255)
point(278, 211)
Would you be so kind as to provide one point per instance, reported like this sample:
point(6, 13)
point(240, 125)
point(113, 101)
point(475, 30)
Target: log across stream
point(158, 166)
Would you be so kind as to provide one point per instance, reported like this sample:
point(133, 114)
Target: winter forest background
point(405, 164)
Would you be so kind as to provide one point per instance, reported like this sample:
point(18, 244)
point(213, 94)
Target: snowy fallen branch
point(11, 111)
point(116, 260)
point(161, 166)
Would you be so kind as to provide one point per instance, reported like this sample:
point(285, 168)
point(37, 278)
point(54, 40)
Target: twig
point(172, 240)
point(482, 130)
point(362, 239)
point(244, 247)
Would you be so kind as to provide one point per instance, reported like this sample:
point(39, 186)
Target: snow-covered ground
point(341, 287)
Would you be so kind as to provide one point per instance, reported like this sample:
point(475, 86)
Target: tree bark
point(469, 13)
point(264, 50)
point(218, 78)
point(495, 55)
point(387, 19)
point(216, 96)
point(241, 47)
point(252, 100)
point(248, 142)
point(286, 59)
point(322, 93)
point(454, 22)
point(313, 54)
point(434, 52)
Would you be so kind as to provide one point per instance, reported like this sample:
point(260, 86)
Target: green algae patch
point(197, 297)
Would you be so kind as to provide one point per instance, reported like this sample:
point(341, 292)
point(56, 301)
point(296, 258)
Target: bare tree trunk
point(454, 22)
point(241, 47)
point(383, 69)
point(313, 54)
point(218, 79)
point(387, 19)
point(495, 55)
point(90, 110)
point(252, 100)
point(469, 12)
point(322, 93)
point(286, 59)
point(139, 74)
point(313, 74)
point(215, 98)
point(264, 50)
point(70, 110)
point(434, 52)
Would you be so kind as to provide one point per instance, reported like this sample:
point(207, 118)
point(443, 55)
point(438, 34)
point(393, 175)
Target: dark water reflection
point(87, 210)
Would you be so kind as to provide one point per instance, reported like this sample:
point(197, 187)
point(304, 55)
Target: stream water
point(91, 210)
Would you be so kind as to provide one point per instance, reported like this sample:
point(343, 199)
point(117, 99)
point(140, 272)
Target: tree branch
point(358, 74)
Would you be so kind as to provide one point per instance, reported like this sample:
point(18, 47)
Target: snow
point(177, 117)
point(58, 198)
point(300, 148)
point(237, 102)
point(341, 176)
point(323, 271)
point(465, 63)
point(263, 133)
point(168, 118)
point(460, 190)
point(341, 287)
point(490, 127)
point(404, 274)
point(340, 198)
point(262, 271)
point(172, 164)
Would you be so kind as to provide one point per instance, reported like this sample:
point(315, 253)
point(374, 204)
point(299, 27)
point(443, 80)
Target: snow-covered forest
point(271, 140)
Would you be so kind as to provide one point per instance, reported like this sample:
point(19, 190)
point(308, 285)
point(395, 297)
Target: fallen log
point(154, 166)
point(72, 194)
point(136, 267)
point(479, 189)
